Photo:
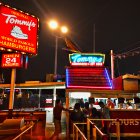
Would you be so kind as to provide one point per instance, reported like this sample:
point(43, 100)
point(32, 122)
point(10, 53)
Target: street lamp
point(60, 29)
point(64, 29)
point(53, 24)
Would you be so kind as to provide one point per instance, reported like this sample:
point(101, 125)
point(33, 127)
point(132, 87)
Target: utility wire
point(131, 52)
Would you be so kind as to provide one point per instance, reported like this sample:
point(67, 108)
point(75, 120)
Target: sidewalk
point(44, 132)
point(50, 130)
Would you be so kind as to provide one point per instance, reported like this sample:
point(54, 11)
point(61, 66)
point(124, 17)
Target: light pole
point(63, 29)
point(55, 60)
point(60, 29)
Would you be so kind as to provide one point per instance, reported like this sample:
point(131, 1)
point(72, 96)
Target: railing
point(23, 132)
point(78, 133)
point(95, 129)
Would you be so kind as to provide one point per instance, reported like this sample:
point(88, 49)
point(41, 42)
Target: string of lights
point(132, 52)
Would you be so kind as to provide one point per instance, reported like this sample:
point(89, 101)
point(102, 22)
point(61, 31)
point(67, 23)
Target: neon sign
point(18, 30)
point(86, 59)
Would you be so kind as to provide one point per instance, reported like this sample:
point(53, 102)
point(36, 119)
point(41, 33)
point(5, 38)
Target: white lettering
point(13, 20)
point(127, 122)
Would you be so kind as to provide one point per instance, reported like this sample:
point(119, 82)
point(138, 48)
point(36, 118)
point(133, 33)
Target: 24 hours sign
point(13, 60)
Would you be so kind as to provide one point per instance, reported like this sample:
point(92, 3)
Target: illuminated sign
point(128, 119)
point(18, 30)
point(49, 101)
point(86, 59)
point(11, 60)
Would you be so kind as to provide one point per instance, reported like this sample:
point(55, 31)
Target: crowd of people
point(87, 110)
point(80, 113)
point(83, 110)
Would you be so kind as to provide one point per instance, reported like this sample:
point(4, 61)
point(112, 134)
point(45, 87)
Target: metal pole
point(112, 64)
point(55, 61)
point(88, 129)
point(54, 95)
point(12, 86)
point(94, 39)
point(67, 115)
point(118, 129)
point(39, 99)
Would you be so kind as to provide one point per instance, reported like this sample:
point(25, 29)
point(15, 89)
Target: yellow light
point(64, 29)
point(9, 50)
point(53, 24)
point(2, 48)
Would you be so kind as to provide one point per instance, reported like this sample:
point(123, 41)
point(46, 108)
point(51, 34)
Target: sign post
point(12, 86)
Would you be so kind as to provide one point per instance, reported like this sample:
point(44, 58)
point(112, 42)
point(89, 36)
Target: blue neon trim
point(67, 78)
point(110, 83)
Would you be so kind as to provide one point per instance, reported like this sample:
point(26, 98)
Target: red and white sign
point(18, 31)
point(49, 101)
point(129, 121)
point(11, 60)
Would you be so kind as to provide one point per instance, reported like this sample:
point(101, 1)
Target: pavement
point(44, 132)
point(50, 130)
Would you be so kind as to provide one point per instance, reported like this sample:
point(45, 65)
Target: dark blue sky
point(117, 27)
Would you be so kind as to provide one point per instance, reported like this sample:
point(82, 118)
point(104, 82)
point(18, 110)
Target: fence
point(19, 136)
point(78, 133)
point(96, 130)
point(117, 132)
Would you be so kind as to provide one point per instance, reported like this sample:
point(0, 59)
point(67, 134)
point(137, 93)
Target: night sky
point(117, 27)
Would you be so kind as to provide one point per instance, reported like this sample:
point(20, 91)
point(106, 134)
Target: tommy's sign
point(87, 59)
point(18, 31)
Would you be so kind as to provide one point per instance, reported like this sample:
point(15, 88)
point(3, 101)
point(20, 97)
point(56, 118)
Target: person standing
point(96, 115)
point(96, 102)
point(105, 115)
point(57, 111)
point(104, 110)
point(77, 114)
point(86, 110)
point(110, 104)
point(82, 104)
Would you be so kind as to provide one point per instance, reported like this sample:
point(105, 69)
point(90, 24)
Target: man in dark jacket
point(57, 111)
